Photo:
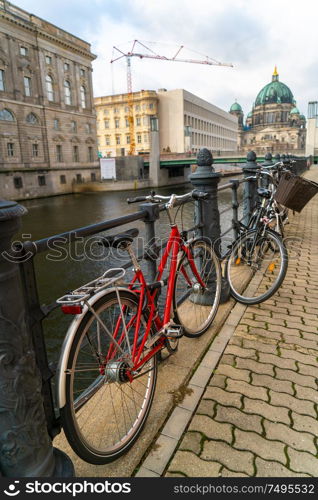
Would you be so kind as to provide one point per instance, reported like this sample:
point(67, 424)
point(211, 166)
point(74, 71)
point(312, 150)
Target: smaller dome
point(236, 107)
point(249, 115)
point(295, 111)
point(302, 117)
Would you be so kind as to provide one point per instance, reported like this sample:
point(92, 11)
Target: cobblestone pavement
point(258, 414)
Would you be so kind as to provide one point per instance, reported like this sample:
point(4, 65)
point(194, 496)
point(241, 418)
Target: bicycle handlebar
point(157, 198)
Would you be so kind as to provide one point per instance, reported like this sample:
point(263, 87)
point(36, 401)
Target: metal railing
point(25, 292)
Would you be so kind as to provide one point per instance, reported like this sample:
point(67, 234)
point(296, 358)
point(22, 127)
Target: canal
point(64, 268)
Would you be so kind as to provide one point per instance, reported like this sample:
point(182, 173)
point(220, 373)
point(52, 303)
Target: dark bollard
point(250, 187)
point(206, 211)
point(25, 446)
point(277, 158)
point(267, 163)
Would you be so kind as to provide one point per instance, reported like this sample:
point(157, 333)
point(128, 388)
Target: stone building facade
point(112, 114)
point(275, 124)
point(185, 122)
point(47, 118)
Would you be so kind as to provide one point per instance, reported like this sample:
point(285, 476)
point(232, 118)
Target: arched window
point(67, 92)
point(83, 96)
point(6, 115)
point(49, 87)
point(32, 118)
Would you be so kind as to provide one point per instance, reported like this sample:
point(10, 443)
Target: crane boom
point(152, 55)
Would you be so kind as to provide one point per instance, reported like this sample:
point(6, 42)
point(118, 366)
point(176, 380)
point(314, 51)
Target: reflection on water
point(58, 272)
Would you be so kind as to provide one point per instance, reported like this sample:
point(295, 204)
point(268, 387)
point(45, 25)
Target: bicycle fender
point(66, 347)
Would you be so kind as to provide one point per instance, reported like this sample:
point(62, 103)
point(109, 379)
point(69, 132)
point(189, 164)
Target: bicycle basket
point(294, 192)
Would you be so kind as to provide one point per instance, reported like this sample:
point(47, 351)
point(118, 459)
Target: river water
point(66, 268)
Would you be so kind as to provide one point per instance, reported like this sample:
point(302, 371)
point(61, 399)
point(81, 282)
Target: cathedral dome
point(274, 92)
point(236, 107)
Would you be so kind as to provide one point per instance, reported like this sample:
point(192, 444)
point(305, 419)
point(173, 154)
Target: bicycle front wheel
point(196, 304)
point(105, 410)
point(256, 267)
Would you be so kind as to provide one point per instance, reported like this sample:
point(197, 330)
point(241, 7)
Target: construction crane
point(151, 55)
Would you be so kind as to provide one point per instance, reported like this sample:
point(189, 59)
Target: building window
point(35, 150)
point(73, 126)
point(32, 118)
point(78, 178)
point(139, 139)
point(151, 105)
point(10, 149)
point(128, 139)
point(23, 51)
point(18, 182)
point(126, 109)
point(56, 124)
point(138, 121)
point(67, 92)
point(145, 120)
point(82, 72)
point(2, 79)
point(75, 154)
point(106, 112)
point(49, 87)
point(66, 66)
point(117, 139)
point(106, 123)
point(59, 153)
point(48, 59)
point(27, 85)
point(127, 122)
point(116, 122)
point(93, 177)
point(107, 140)
point(145, 137)
point(62, 179)
point(137, 107)
point(41, 180)
point(116, 110)
point(88, 128)
point(83, 96)
point(90, 154)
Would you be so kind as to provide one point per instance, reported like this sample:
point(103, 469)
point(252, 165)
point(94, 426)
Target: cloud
point(253, 35)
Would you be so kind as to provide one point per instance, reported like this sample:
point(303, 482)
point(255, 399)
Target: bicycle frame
point(148, 293)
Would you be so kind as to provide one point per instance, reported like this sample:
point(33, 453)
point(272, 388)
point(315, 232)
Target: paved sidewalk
point(258, 414)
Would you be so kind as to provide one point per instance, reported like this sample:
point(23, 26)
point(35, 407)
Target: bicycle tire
point(247, 285)
point(103, 427)
point(195, 308)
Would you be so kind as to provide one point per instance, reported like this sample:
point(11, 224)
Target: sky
point(253, 35)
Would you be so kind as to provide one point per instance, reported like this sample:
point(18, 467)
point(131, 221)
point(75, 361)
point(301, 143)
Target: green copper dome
point(236, 107)
point(295, 111)
point(302, 117)
point(274, 92)
point(249, 115)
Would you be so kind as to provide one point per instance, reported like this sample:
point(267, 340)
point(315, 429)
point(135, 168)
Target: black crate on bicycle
point(295, 192)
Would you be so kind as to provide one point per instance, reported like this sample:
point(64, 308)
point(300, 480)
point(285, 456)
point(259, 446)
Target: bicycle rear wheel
point(195, 306)
point(256, 267)
point(105, 411)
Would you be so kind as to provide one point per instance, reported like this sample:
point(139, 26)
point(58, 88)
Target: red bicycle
point(108, 366)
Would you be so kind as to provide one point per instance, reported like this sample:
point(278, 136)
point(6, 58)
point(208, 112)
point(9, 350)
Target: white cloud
point(251, 34)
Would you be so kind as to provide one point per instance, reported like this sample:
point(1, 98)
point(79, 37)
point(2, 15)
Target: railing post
point(206, 211)
point(151, 215)
point(250, 187)
point(267, 163)
point(25, 446)
point(235, 204)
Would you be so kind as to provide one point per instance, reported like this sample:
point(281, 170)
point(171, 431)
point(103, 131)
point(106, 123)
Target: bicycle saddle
point(121, 240)
point(264, 193)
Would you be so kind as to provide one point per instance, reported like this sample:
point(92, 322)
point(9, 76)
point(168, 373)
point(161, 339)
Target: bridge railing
point(28, 418)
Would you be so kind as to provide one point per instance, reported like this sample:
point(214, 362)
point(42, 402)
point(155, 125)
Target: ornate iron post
point(250, 187)
point(267, 163)
point(25, 446)
point(206, 211)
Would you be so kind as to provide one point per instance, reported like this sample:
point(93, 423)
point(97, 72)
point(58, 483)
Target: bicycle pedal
point(174, 332)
